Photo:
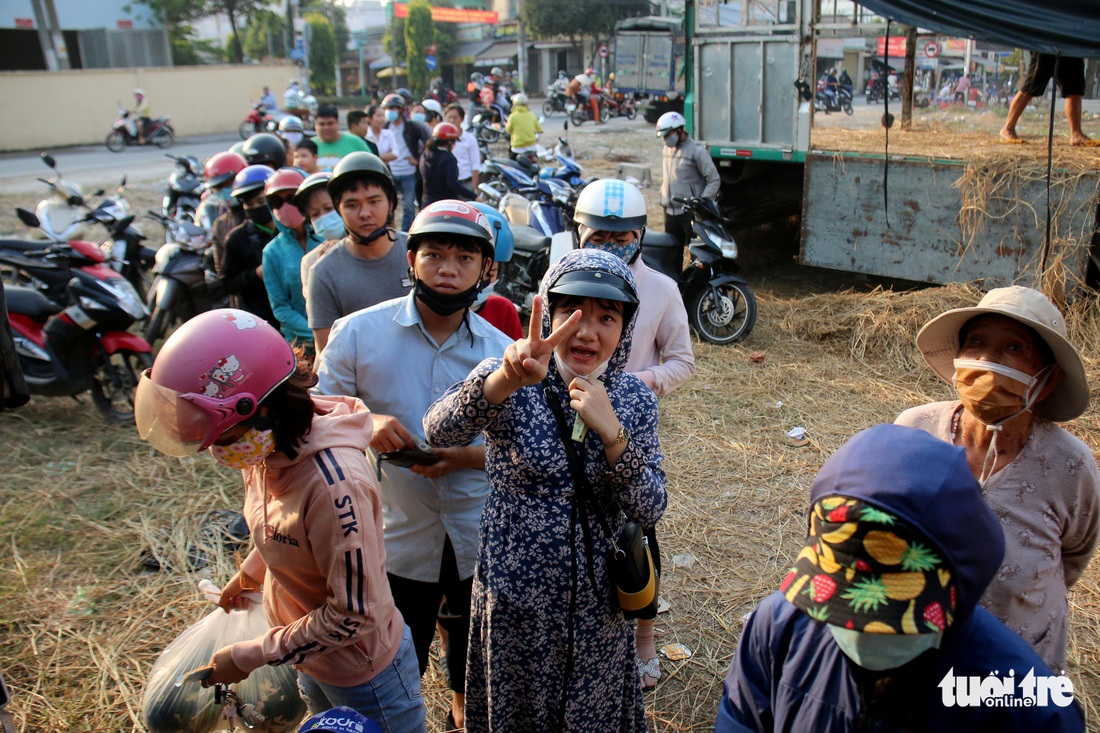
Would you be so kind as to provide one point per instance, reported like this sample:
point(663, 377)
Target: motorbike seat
point(29, 302)
point(529, 239)
point(663, 253)
point(18, 246)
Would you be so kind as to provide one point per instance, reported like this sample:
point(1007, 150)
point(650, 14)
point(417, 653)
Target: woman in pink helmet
point(227, 382)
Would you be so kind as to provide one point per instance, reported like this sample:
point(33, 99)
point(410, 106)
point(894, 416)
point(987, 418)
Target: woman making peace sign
point(549, 647)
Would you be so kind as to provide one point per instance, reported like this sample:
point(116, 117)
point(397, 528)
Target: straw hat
point(938, 341)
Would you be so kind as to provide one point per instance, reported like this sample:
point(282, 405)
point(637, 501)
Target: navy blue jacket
point(788, 674)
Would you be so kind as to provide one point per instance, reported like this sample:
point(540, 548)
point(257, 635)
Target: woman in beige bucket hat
point(1016, 374)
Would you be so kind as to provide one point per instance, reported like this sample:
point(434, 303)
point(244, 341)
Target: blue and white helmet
point(611, 205)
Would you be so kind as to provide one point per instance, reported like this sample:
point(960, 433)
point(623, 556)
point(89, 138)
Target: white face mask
point(878, 652)
point(329, 226)
point(293, 138)
point(568, 375)
point(671, 139)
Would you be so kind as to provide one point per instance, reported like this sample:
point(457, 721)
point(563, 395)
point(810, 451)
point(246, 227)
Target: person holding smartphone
point(399, 356)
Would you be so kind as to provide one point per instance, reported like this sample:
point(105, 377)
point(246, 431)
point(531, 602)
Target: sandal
point(649, 671)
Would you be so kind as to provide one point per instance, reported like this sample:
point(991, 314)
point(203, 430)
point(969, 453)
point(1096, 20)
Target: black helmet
point(309, 185)
point(594, 284)
point(264, 148)
point(405, 93)
point(361, 166)
point(393, 100)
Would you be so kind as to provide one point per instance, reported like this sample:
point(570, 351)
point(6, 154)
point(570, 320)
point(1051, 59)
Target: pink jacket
point(661, 354)
point(316, 520)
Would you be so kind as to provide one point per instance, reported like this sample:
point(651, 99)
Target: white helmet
point(139, 93)
point(611, 205)
point(434, 106)
point(290, 123)
point(519, 98)
point(669, 121)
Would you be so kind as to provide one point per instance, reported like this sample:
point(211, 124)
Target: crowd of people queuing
point(415, 460)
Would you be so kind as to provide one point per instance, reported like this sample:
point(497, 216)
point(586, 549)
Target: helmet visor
point(179, 424)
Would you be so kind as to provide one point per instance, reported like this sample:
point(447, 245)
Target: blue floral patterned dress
point(549, 647)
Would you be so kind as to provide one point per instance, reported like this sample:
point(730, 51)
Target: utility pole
point(49, 35)
point(393, 45)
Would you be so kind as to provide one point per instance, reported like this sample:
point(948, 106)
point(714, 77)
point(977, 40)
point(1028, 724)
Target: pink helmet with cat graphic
point(210, 375)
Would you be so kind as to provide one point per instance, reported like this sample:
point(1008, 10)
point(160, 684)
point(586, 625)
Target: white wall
point(78, 107)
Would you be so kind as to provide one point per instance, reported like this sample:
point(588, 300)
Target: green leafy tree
point(337, 16)
point(576, 19)
point(265, 36)
point(322, 54)
point(237, 11)
point(419, 35)
point(176, 17)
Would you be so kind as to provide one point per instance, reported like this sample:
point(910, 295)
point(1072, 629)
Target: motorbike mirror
point(48, 160)
point(98, 192)
point(28, 218)
point(122, 184)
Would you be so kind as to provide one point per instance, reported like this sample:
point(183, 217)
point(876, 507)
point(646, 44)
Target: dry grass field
point(82, 503)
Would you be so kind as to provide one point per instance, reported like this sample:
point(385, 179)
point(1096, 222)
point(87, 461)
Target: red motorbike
point(258, 120)
point(65, 349)
point(124, 132)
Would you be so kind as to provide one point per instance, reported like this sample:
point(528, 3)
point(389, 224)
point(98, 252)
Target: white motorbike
point(64, 213)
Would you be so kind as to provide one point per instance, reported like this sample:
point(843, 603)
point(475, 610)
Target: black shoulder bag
point(637, 583)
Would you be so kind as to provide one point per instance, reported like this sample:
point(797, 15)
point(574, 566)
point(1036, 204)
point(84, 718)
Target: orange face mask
point(993, 392)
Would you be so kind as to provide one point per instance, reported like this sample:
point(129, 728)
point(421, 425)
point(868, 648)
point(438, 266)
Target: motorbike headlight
point(728, 247)
point(127, 297)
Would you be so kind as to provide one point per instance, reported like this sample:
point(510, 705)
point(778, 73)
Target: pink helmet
point(211, 374)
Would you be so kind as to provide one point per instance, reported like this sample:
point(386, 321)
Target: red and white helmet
point(446, 131)
point(451, 216)
point(222, 168)
point(210, 375)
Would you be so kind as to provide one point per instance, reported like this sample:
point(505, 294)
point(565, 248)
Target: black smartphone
point(421, 455)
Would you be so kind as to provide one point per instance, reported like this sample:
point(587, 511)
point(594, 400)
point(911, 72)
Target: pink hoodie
point(316, 520)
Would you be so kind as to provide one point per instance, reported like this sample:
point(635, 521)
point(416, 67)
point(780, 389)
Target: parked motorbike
point(720, 304)
point(258, 120)
point(840, 102)
point(518, 279)
point(185, 187)
point(63, 212)
point(568, 169)
point(180, 287)
point(124, 132)
point(123, 247)
point(83, 345)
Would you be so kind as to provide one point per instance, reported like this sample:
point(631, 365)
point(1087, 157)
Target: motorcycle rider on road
point(141, 115)
point(831, 85)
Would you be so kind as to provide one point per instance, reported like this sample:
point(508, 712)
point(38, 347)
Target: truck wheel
point(725, 320)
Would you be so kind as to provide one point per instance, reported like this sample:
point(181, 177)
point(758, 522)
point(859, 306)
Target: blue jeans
point(392, 699)
point(406, 186)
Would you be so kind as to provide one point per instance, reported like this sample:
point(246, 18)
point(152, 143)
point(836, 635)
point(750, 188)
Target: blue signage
point(431, 63)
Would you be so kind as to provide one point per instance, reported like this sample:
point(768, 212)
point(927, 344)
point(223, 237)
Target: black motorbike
point(180, 287)
point(518, 279)
point(83, 344)
point(720, 304)
point(840, 101)
point(556, 102)
point(185, 186)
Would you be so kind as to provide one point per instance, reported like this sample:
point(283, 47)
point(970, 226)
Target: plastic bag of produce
point(190, 707)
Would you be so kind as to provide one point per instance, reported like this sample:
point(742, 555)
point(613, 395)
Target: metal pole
point(362, 79)
point(393, 46)
point(44, 39)
point(58, 39)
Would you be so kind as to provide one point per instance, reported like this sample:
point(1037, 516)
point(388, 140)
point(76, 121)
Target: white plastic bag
point(273, 691)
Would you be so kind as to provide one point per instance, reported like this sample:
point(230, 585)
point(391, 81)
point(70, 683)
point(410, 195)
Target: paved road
point(94, 166)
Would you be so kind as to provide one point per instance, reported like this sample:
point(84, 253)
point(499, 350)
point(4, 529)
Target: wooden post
point(910, 73)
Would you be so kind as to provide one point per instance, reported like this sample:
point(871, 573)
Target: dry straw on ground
point(83, 625)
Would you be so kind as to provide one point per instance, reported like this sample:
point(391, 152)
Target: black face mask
point(260, 215)
point(445, 305)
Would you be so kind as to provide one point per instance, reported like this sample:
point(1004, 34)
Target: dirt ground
point(82, 617)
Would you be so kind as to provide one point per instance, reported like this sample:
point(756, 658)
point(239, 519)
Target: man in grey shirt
point(687, 171)
point(369, 264)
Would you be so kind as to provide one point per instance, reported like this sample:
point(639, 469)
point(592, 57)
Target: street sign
point(932, 50)
point(297, 54)
point(603, 50)
point(431, 62)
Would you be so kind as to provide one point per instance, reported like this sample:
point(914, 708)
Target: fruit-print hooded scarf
point(900, 541)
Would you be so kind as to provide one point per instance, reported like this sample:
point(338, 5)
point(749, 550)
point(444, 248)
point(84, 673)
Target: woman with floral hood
point(542, 580)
